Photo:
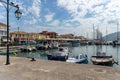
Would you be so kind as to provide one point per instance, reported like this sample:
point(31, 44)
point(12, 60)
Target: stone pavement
point(23, 69)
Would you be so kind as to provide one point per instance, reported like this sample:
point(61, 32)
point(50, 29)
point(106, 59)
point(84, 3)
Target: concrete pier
point(25, 69)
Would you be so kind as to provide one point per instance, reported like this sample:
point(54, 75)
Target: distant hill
point(112, 36)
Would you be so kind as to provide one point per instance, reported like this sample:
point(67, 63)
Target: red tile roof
point(18, 32)
point(2, 24)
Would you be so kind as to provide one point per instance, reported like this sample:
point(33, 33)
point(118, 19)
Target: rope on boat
point(114, 61)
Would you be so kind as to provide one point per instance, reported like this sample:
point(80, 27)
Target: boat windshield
point(61, 49)
point(81, 56)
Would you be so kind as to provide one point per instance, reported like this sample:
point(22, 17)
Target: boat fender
point(32, 59)
point(116, 62)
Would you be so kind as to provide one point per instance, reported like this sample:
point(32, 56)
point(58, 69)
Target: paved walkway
point(24, 69)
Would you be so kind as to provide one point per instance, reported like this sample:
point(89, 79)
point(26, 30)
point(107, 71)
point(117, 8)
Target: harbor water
point(90, 50)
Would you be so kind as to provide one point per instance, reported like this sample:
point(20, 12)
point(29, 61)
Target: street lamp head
point(18, 14)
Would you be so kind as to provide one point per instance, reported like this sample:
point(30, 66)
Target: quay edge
point(23, 69)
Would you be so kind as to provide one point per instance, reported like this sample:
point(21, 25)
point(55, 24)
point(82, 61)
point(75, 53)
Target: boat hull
point(102, 60)
point(83, 61)
point(110, 63)
point(57, 58)
point(79, 61)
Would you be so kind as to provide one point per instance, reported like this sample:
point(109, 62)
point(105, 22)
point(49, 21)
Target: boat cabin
point(80, 56)
point(63, 49)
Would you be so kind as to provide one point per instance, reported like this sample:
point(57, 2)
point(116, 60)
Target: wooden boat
point(102, 59)
point(60, 55)
point(78, 59)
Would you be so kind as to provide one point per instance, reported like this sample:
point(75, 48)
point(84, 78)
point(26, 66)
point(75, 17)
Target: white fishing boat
point(28, 49)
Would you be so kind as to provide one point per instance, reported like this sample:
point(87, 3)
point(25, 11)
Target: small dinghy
point(78, 59)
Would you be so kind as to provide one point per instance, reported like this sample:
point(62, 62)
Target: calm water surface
point(89, 50)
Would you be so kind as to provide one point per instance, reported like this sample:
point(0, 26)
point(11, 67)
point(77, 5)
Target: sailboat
point(101, 58)
point(117, 42)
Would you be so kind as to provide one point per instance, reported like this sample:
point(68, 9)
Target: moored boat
point(78, 59)
point(28, 49)
point(60, 55)
point(102, 59)
point(41, 47)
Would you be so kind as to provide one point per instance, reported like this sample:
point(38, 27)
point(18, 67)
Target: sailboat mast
point(106, 34)
point(106, 38)
point(93, 32)
point(117, 31)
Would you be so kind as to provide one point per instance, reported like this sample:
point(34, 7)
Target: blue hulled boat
point(78, 59)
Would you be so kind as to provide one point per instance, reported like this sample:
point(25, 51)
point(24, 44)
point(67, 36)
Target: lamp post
point(18, 15)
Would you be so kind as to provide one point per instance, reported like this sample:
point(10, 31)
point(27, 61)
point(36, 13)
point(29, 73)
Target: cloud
point(67, 16)
point(54, 23)
point(35, 9)
point(2, 17)
point(1, 4)
point(31, 12)
point(71, 23)
point(89, 12)
point(31, 21)
point(49, 17)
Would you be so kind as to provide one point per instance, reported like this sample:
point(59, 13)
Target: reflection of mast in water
point(87, 49)
point(99, 48)
point(117, 53)
point(106, 39)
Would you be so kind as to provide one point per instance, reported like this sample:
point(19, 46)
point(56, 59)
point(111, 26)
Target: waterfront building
point(22, 37)
point(3, 33)
point(37, 36)
point(49, 34)
point(41, 36)
point(82, 38)
point(18, 37)
point(32, 36)
point(66, 36)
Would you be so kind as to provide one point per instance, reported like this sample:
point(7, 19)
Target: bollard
point(32, 59)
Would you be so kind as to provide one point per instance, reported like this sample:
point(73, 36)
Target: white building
point(3, 32)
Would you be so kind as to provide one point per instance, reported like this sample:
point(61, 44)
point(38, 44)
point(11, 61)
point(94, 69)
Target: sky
point(64, 16)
